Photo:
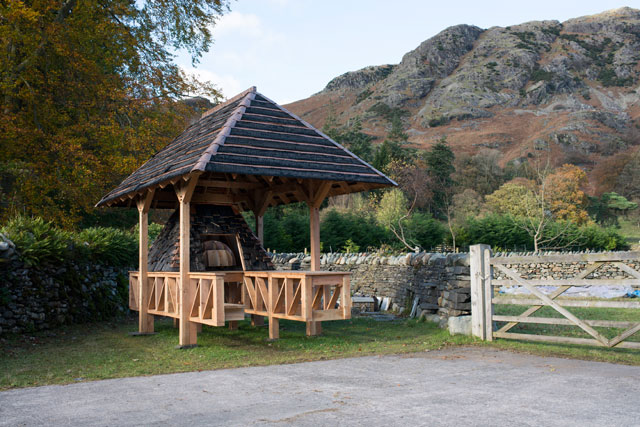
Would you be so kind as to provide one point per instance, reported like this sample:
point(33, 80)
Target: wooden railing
point(301, 295)
point(219, 297)
point(483, 298)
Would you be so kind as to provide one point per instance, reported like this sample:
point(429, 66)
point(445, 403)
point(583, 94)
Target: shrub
point(425, 230)
point(108, 245)
point(38, 241)
point(337, 229)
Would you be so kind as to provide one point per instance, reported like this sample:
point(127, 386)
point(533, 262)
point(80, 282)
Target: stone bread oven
point(220, 240)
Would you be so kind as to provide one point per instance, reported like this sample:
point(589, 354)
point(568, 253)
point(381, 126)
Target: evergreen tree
point(439, 160)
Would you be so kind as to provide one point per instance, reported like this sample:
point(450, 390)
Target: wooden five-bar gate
point(226, 296)
point(483, 298)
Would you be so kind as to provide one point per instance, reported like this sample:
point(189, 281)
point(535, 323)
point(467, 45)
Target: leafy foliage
point(89, 90)
point(40, 242)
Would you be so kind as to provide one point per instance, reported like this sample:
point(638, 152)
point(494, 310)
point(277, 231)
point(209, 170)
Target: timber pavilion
point(207, 266)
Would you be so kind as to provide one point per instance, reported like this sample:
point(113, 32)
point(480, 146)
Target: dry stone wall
point(41, 297)
point(441, 282)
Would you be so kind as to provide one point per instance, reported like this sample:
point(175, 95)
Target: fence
point(484, 268)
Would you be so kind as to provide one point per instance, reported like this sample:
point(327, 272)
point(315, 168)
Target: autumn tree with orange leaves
point(88, 91)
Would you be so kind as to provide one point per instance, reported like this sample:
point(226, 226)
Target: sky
point(290, 49)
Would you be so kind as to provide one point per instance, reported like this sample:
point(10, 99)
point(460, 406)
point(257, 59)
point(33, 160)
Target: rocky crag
point(571, 87)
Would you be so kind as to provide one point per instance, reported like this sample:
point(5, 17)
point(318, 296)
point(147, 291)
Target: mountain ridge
point(570, 87)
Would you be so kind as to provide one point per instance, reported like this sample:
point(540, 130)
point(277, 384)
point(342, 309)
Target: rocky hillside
point(570, 87)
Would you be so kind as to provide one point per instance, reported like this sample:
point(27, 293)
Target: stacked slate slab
point(206, 220)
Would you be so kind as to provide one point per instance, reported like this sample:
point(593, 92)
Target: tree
point(392, 212)
point(481, 173)
point(525, 203)
point(439, 161)
point(394, 147)
point(609, 206)
point(565, 197)
point(88, 91)
point(552, 200)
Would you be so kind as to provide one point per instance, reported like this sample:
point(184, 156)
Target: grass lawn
point(631, 232)
point(105, 350)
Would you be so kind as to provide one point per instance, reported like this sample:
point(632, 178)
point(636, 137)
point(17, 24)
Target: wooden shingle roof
point(250, 135)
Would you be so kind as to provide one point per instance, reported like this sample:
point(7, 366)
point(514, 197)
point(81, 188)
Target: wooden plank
point(333, 298)
point(262, 288)
point(328, 279)
point(590, 269)
point(345, 297)
point(476, 262)
point(588, 329)
point(571, 282)
point(568, 303)
point(488, 293)
point(624, 335)
point(542, 259)
point(187, 332)
point(260, 228)
point(630, 271)
point(274, 325)
point(564, 340)
point(217, 316)
point(306, 286)
point(317, 297)
point(145, 320)
point(333, 314)
point(288, 293)
point(314, 224)
point(561, 321)
point(297, 298)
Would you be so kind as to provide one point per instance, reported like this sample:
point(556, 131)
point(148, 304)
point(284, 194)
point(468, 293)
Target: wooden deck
point(226, 296)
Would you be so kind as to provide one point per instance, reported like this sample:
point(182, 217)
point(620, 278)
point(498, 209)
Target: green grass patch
point(105, 350)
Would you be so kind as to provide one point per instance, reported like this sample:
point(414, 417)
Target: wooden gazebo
point(248, 153)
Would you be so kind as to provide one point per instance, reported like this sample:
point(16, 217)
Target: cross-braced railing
point(219, 297)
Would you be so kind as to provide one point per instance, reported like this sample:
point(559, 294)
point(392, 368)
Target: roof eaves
point(332, 141)
point(212, 149)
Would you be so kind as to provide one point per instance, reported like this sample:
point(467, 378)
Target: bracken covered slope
point(572, 88)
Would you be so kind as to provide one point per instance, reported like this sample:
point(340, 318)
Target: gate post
point(480, 297)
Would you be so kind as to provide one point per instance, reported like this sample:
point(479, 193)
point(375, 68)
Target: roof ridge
point(327, 137)
point(227, 102)
point(212, 149)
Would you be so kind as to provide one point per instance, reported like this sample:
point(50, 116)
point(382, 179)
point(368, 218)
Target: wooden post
point(478, 272)
point(488, 293)
point(260, 228)
point(145, 320)
point(345, 297)
point(255, 319)
point(314, 224)
point(187, 330)
point(274, 323)
point(314, 328)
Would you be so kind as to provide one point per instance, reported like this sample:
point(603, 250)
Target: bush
point(338, 228)
point(108, 245)
point(504, 233)
point(39, 242)
point(425, 230)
